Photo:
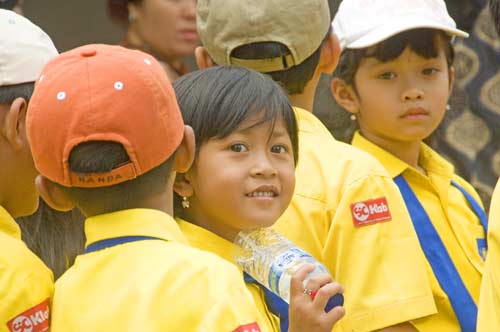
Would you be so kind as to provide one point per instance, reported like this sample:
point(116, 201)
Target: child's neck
point(194, 216)
point(305, 100)
point(409, 152)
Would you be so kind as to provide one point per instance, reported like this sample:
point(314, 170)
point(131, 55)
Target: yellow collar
point(8, 225)
point(205, 240)
point(429, 160)
point(308, 122)
point(133, 222)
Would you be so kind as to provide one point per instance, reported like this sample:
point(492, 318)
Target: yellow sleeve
point(489, 300)
point(381, 264)
point(26, 288)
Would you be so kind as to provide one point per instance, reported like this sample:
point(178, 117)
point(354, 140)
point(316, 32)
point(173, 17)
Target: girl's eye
point(238, 147)
point(278, 149)
point(429, 71)
point(387, 76)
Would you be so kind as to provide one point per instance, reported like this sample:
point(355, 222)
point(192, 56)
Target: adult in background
point(165, 29)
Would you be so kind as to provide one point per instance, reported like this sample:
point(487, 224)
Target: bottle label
point(286, 261)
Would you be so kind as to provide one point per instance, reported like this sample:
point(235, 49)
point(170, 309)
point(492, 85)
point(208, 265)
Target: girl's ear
point(345, 95)
point(184, 155)
point(182, 186)
point(53, 195)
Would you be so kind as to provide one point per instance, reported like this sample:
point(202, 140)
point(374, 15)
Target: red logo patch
point(35, 319)
point(253, 327)
point(370, 212)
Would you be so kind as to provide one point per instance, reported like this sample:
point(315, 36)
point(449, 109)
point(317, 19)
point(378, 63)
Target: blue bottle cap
point(334, 301)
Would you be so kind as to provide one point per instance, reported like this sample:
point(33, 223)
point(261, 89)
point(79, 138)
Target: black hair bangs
point(215, 102)
point(425, 42)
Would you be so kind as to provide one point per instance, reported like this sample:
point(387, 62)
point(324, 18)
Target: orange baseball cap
point(102, 93)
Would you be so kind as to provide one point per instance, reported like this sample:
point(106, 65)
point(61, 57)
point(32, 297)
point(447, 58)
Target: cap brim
point(399, 25)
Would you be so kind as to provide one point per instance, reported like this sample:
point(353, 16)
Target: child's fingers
point(297, 281)
point(335, 314)
point(326, 292)
point(318, 281)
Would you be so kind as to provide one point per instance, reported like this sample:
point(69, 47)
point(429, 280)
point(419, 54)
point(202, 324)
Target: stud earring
point(352, 117)
point(131, 17)
point(448, 107)
point(185, 202)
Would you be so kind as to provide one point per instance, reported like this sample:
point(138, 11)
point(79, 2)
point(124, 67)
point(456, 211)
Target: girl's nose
point(412, 94)
point(263, 167)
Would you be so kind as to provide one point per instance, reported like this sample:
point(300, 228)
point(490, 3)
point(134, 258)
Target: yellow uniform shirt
point(149, 285)
point(488, 319)
point(456, 223)
point(26, 284)
point(203, 239)
point(375, 254)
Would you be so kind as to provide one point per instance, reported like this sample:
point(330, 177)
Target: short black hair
point(293, 79)
point(9, 93)
point(54, 236)
point(215, 101)
point(495, 13)
point(8, 4)
point(424, 42)
point(118, 11)
point(103, 156)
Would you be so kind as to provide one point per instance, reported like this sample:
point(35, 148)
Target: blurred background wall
point(71, 23)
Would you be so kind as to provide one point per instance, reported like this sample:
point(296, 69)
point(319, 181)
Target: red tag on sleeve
point(253, 327)
point(35, 319)
point(370, 212)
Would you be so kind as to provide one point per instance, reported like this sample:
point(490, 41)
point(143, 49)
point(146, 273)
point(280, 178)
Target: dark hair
point(8, 4)
point(293, 79)
point(118, 11)
point(103, 156)
point(215, 101)
point(424, 42)
point(495, 13)
point(9, 93)
point(333, 5)
point(54, 236)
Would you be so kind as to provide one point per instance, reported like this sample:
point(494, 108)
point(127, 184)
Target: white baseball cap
point(364, 23)
point(24, 49)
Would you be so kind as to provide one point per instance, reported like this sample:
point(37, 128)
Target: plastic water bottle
point(271, 259)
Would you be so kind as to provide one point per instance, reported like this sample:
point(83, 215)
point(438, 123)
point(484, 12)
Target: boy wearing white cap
point(489, 301)
point(395, 75)
point(346, 210)
point(26, 284)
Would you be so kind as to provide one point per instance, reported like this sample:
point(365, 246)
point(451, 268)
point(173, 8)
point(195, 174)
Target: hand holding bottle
point(271, 259)
point(307, 305)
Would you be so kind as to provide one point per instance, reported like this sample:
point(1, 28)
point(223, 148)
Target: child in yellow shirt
point(395, 76)
point(243, 178)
